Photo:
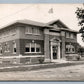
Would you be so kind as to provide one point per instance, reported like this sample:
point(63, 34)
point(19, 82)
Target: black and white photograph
point(41, 42)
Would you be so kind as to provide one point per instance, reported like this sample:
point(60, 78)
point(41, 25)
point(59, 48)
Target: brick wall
point(21, 31)
point(10, 43)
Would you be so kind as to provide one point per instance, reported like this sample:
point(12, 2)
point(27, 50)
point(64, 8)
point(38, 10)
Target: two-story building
point(24, 41)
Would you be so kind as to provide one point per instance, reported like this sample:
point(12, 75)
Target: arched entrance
point(55, 49)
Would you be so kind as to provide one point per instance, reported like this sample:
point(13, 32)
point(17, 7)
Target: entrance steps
point(61, 61)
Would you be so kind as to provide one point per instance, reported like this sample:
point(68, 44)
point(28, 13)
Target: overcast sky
point(39, 12)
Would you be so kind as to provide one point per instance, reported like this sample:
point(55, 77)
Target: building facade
point(25, 41)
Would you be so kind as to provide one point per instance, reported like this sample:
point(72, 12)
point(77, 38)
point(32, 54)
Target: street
point(69, 73)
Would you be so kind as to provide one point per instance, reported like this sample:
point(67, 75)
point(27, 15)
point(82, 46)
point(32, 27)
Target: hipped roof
point(40, 24)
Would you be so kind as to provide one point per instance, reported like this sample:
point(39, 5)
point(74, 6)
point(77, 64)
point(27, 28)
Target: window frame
point(27, 30)
point(35, 30)
point(67, 35)
point(70, 48)
point(70, 35)
point(34, 48)
point(14, 47)
point(1, 49)
point(6, 47)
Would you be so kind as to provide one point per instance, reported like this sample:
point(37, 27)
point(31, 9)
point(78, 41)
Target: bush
point(78, 58)
point(41, 60)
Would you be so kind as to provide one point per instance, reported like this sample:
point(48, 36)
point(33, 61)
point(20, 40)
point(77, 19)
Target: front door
point(54, 51)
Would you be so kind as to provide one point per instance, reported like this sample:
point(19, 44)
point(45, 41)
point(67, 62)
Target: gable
point(57, 24)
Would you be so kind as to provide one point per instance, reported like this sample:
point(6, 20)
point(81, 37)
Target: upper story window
point(13, 31)
point(67, 34)
point(28, 30)
point(74, 35)
point(32, 30)
point(70, 35)
point(7, 32)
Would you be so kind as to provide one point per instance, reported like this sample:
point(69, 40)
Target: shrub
point(41, 60)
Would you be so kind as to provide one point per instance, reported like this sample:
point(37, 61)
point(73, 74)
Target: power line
point(15, 13)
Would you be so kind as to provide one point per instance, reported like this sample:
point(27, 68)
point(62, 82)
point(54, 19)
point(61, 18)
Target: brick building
point(24, 41)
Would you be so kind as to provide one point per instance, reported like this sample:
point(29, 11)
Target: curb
point(38, 66)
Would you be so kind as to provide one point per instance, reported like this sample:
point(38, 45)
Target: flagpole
point(50, 11)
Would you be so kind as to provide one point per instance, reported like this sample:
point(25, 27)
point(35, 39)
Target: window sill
point(6, 51)
point(14, 53)
point(70, 38)
point(28, 33)
point(37, 34)
point(33, 34)
point(31, 52)
point(70, 53)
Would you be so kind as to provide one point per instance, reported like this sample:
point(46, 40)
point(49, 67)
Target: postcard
point(41, 42)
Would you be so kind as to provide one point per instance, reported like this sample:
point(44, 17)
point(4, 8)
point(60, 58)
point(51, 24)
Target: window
point(27, 47)
point(73, 49)
point(74, 35)
point(66, 49)
point(7, 48)
point(13, 31)
point(28, 30)
point(32, 48)
point(36, 31)
point(32, 30)
point(70, 48)
point(38, 48)
point(67, 34)
point(14, 47)
point(70, 35)
point(0, 49)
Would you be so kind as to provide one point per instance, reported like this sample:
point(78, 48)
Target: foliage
point(41, 60)
point(80, 15)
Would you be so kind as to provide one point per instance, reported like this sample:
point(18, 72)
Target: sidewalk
point(27, 67)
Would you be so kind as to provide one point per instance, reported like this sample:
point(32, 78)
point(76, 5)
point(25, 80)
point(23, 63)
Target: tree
point(80, 15)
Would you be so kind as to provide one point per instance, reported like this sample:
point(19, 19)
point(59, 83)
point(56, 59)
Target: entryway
point(55, 49)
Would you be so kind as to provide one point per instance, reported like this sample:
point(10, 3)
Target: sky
point(40, 12)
